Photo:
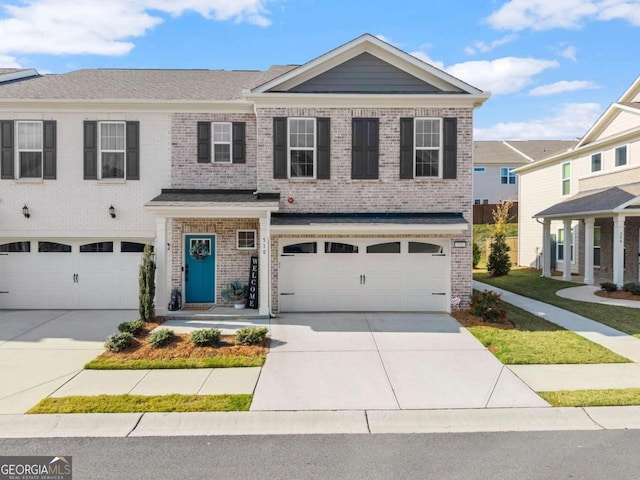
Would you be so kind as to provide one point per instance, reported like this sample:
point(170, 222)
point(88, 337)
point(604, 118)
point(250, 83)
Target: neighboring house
point(348, 178)
point(583, 206)
point(494, 162)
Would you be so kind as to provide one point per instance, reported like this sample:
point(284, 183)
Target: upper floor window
point(507, 177)
point(302, 147)
point(566, 178)
point(479, 169)
point(221, 142)
point(112, 149)
point(621, 156)
point(428, 143)
point(28, 149)
point(596, 162)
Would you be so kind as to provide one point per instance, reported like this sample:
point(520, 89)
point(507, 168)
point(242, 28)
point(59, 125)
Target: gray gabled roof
point(539, 149)
point(594, 201)
point(134, 84)
point(521, 152)
point(496, 152)
point(367, 218)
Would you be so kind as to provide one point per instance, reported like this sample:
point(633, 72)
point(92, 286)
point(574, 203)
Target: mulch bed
point(467, 319)
point(181, 347)
point(620, 295)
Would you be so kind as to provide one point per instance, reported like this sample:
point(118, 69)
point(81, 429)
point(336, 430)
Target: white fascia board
point(196, 210)
point(76, 234)
point(633, 201)
point(577, 215)
point(599, 125)
point(369, 229)
point(631, 92)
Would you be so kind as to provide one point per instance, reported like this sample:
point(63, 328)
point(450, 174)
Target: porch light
point(112, 211)
point(25, 211)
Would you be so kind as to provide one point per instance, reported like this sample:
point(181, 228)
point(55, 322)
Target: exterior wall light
point(112, 211)
point(25, 211)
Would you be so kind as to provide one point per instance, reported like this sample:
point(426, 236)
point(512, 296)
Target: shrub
point(160, 338)
point(488, 306)
point(235, 292)
point(134, 327)
point(632, 287)
point(477, 253)
point(205, 337)
point(608, 287)
point(251, 336)
point(499, 262)
point(118, 342)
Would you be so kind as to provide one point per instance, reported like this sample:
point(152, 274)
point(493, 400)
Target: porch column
point(160, 249)
point(546, 248)
point(588, 250)
point(264, 288)
point(566, 275)
point(618, 250)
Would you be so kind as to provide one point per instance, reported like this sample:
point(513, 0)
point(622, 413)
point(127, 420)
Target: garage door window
point(335, 247)
point(390, 247)
point(98, 247)
point(132, 247)
point(307, 247)
point(423, 247)
point(53, 247)
point(16, 247)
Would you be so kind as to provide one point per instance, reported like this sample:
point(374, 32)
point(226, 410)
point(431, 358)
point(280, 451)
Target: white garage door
point(364, 275)
point(69, 274)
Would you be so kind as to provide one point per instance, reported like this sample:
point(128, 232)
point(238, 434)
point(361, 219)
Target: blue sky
point(553, 66)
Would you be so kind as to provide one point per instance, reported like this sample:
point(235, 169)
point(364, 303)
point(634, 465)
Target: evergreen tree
point(499, 263)
point(147, 290)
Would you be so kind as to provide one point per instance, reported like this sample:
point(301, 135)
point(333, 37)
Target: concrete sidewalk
point(319, 422)
point(586, 293)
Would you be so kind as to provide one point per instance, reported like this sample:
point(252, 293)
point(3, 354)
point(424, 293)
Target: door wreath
point(199, 250)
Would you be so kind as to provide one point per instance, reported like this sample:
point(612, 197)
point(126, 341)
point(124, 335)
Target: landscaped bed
point(179, 352)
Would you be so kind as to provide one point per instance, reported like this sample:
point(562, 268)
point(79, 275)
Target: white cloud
point(562, 87)
point(517, 15)
point(573, 120)
point(420, 54)
point(569, 52)
point(105, 27)
point(7, 61)
point(484, 47)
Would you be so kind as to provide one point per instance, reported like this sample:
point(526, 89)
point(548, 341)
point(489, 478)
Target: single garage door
point(364, 275)
point(70, 274)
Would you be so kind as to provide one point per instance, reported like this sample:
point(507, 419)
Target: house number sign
point(252, 301)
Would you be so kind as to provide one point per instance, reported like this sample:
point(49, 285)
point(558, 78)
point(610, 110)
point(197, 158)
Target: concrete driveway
point(40, 350)
point(356, 361)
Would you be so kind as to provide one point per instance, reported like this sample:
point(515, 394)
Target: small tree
point(147, 290)
point(499, 263)
point(476, 254)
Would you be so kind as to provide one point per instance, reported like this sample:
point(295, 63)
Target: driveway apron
point(347, 361)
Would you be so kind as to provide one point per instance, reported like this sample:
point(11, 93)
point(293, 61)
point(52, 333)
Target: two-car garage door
point(65, 274)
point(347, 274)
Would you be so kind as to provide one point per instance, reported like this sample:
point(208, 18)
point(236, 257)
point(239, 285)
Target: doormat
point(196, 307)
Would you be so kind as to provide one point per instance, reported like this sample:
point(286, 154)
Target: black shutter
point(450, 148)
point(49, 150)
point(238, 135)
point(323, 148)
point(90, 150)
point(133, 150)
point(204, 142)
point(6, 149)
point(280, 147)
point(364, 154)
point(406, 148)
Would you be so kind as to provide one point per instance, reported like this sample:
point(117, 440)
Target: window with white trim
point(507, 177)
point(560, 245)
point(29, 143)
point(222, 142)
point(112, 150)
point(428, 147)
point(597, 235)
point(566, 178)
point(621, 156)
point(596, 162)
point(481, 201)
point(246, 239)
point(302, 147)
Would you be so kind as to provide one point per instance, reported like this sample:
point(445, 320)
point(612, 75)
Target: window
point(481, 201)
point(98, 247)
point(479, 169)
point(507, 177)
point(246, 239)
point(566, 178)
point(112, 149)
point(596, 162)
point(53, 247)
point(336, 247)
point(423, 247)
point(302, 147)
point(221, 142)
point(308, 247)
point(391, 247)
point(596, 246)
point(29, 143)
point(621, 156)
point(16, 247)
point(132, 247)
point(428, 134)
point(560, 245)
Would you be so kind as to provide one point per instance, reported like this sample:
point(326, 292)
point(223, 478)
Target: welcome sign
point(252, 301)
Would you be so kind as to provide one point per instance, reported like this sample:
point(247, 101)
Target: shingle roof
point(601, 200)
point(539, 149)
point(391, 218)
point(495, 152)
point(213, 196)
point(107, 84)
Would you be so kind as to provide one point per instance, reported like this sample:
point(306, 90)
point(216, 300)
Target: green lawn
point(141, 404)
point(530, 284)
point(536, 341)
point(593, 398)
point(221, 361)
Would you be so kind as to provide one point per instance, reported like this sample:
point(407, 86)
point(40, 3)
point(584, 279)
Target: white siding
point(621, 123)
point(487, 184)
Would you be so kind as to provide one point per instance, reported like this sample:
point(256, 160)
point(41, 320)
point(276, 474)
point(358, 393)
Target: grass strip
point(593, 398)
point(143, 403)
point(205, 362)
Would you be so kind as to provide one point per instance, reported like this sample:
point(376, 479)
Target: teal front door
point(200, 269)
